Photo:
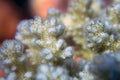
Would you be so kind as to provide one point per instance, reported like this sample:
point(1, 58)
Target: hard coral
point(41, 50)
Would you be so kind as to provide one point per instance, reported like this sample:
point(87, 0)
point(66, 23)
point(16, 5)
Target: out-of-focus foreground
point(13, 11)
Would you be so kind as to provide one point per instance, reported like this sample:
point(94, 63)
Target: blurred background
point(13, 11)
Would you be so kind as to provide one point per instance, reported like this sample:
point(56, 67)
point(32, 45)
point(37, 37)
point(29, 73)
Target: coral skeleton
point(48, 49)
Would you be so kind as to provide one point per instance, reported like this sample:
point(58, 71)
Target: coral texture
point(103, 34)
point(44, 50)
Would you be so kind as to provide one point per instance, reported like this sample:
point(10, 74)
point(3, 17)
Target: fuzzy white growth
point(22, 58)
point(23, 27)
point(43, 68)
point(46, 53)
point(85, 74)
point(28, 75)
point(13, 58)
point(113, 12)
point(50, 72)
point(11, 47)
point(60, 44)
point(10, 51)
point(41, 76)
point(101, 34)
point(68, 52)
point(43, 39)
point(79, 12)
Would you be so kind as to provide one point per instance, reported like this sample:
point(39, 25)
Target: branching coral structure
point(79, 13)
point(103, 34)
point(43, 38)
point(48, 49)
point(43, 46)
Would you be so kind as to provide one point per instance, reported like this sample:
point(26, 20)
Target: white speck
point(41, 76)
point(60, 44)
point(68, 52)
point(22, 58)
point(43, 68)
point(28, 74)
point(48, 42)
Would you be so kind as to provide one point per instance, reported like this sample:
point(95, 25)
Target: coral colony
point(44, 49)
